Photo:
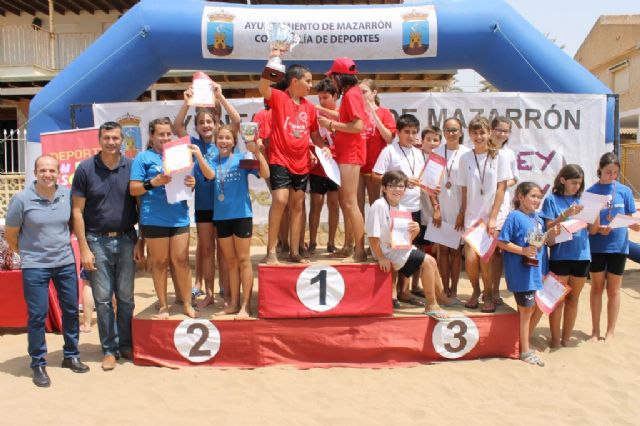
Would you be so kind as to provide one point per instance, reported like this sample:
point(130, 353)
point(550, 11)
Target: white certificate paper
point(552, 293)
point(623, 221)
point(400, 235)
point(176, 189)
point(432, 173)
point(592, 203)
point(176, 156)
point(480, 241)
point(202, 88)
point(445, 235)
point(329, 165)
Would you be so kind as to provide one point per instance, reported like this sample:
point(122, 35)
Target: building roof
point(611, 36)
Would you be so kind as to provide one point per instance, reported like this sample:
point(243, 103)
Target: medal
point(221, 197)
point(296, 134)
point(221, 174)
point(448, 185)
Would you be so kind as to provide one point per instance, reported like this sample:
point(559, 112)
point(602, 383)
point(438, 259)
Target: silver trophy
point(281, 40)
point(249, 132)
point(536, 239)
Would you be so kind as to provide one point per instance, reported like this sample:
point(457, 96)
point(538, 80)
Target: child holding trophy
point(294, 126)
point(232, 214)
point(521, 238)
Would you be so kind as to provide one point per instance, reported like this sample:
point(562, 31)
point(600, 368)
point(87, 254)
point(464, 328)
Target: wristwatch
point(147, 185)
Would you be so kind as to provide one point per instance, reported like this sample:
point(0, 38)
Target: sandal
point(331, 248)
point(437, 315)
point(486, 310)
point(530, 357)
point(208, 300)
point(414, 301)
point(470, 305)
point(195, 292)
point(298, 259)
point(396, 304)
point(312, 248)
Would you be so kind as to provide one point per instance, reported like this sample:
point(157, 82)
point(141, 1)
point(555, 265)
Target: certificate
point(592, 203)
point(445, 235)
point(329, 165)
point(480, 241)
point(623, 221)
point(176, 189)
point(202, 88)
point(431, 174)
point(552, 293)
point(568, 228)
point(176, 156)
point(400, 236)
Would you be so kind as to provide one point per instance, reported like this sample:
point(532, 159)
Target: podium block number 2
point(198, 340)
point(320, 287)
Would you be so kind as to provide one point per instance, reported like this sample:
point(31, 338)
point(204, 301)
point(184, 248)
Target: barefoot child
point(609, 247)
point(523, 280)
point(482, 175)
point(404, 261)
point(403, 156)
point(232, 216)
point(569, 260)
point(294, 126)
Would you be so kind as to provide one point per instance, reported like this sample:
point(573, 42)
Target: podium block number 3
point(197, 340)
point(455, 338)
point(320, 287)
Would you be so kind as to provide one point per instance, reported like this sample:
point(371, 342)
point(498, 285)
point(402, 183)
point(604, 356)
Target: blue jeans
point(114, 274)
point(36, 294)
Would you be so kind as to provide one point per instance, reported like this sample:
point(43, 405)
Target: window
point(620, 77)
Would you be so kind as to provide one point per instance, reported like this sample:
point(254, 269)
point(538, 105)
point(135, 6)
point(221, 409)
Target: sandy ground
point(584, 384)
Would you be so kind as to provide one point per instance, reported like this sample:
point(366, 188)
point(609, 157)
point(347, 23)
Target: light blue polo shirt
point(204, 186)
point(155, 210)
point(44, 239)
point(578, 247)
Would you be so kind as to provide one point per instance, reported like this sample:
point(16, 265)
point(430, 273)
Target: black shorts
point(321, 184)
point(283, 178)
point(526, 299)
point(419, 240)
point(204, 216)
point(611, 262)
point(413, 263)
point(574, 268)
point(241, 228)
point(150, 231)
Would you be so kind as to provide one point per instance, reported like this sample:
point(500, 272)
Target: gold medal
point(221, 197)
point(448, 185)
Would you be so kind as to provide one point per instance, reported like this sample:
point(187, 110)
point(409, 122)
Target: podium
point(320, 290)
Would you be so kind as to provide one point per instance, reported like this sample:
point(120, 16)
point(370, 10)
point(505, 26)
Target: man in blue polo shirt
point(37, 227)
point(104, 214)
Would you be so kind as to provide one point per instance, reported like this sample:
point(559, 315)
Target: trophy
point(249, 133)
point(536, 239)
point(281, 40)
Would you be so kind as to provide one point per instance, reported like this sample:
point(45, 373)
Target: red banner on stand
point(314, 291)
point(70, 147)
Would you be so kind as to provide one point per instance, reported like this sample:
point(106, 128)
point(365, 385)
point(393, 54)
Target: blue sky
point(568, 21)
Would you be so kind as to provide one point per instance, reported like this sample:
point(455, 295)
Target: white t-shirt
point(450, 199)
point(481, 192)
point(379, 225)
point(411, 162)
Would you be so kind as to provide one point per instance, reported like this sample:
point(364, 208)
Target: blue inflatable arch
point(156, 36)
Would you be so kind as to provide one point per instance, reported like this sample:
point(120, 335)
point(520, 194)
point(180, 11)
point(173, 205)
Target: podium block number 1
point(320, 287)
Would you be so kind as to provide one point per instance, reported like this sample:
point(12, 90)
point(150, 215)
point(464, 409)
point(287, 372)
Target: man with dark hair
point(104, 215)
point(37, 227)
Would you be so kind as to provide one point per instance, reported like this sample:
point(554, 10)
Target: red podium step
point(320, 290)
point(323, 342)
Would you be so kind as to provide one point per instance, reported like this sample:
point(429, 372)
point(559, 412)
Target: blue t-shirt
point(618, 239)
point(578, 247)
point(232, 182)
point(154, 208)
point(519, 276)
point(204, 187)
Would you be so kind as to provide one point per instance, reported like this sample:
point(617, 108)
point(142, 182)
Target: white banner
point(328, 33)
point(549, 130)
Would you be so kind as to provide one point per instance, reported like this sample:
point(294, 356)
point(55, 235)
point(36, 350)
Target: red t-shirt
point(375, 142)
point(291, 127)
point(351, 147)
point(263, 118)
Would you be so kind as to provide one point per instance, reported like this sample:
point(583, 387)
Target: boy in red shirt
point(294, 125)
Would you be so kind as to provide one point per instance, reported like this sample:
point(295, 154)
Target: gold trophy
point(249, 132)
point(281, 40)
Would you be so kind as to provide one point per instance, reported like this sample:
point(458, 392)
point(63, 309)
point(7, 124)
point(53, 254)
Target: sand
point(584, 384)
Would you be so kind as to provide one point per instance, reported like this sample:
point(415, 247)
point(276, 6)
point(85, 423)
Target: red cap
point(343, 66)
